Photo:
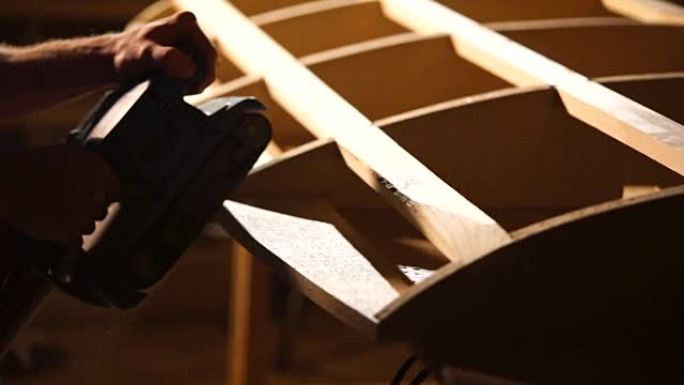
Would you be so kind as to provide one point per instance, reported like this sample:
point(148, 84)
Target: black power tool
point(176, 164)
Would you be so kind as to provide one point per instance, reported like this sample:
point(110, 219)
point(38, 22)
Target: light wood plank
point(486, 11)
point(304, 9)
point(599, 50)
point(252, 332)
point(520, 126)
point(321, 25)
point(457, 227)
point(648, 11)
point(318, 259)
point(572, 292)
point(385, 90)
point(154, 11)
point(633, 124)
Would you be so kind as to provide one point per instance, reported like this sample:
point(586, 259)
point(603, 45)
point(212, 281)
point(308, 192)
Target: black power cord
point(404, 368)
point(420, 377)
point(401, 372)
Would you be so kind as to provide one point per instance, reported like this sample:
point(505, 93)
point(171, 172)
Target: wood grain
point(458, 228)
point(323, 264)
point(322, 25)
point(633, 124)
point(648, 11)
point(593, 291)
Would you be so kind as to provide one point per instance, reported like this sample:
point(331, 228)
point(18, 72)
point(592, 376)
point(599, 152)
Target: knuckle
point(167, 56)
point(184, 17)
point(148, 31)
point(145, 50)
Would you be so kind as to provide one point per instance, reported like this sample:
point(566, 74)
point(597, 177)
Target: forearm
point(41, 75)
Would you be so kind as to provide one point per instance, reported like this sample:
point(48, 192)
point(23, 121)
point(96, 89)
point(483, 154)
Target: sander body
point(175, 162)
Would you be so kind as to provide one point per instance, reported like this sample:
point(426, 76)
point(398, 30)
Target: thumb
point(173, 62)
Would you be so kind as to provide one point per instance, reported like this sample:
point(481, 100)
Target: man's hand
point(46, 74)
point(56, 193)
point(154, 46)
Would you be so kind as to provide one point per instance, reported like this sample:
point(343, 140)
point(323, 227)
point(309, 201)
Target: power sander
point(175, 162)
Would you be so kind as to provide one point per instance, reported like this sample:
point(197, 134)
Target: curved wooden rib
point(605, 280)
point(154, 11)
point(322, 25)
point(600, 50)
point(360, 72)
point(311, 7)
point(526, 145)
point(256, 7)
point(660, 92)
point(495, 10)
point(457, 227)
point(633, 124)
point(648, 11)
point(536, 170)
point(286, 241)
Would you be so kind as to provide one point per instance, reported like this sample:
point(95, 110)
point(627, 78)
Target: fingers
point(95, 211)
point(173, 62)
point(199, 42)
point(182, 29)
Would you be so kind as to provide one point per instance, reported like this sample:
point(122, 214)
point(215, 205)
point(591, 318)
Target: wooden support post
point(251, 334)
point(458, 228)
point(622, 118)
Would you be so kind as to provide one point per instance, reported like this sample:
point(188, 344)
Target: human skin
point(56, 192)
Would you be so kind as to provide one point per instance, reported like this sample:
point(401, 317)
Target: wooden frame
point(381, 92)
point(322, 25)
point(610, 112)
point(648, 11)
point(306, 204)
point(385, 167)
point(519, 125)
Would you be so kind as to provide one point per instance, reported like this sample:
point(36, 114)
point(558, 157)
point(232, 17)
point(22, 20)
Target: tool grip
point(189, 85)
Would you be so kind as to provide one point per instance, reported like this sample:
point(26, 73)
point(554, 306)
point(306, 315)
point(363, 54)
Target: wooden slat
point(524, 127)
point(322, 25)
point(304, 9)
point(496, 10)
point(427, 72)
point(326, 266)
point(660, 92)
point(154, 11)
point(633, 124)
point(256, 7)
point(359, 72)
point(648, 11)
point(596, 50)
point(457, 227)
point(574, 300)
point(521, 126)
